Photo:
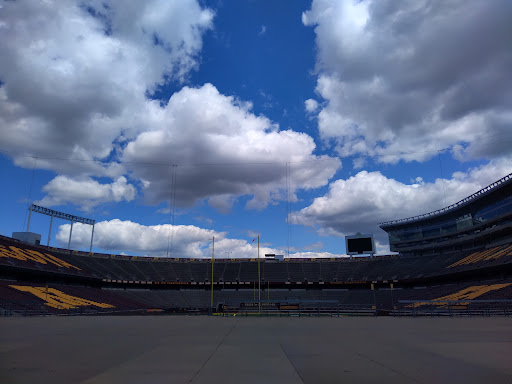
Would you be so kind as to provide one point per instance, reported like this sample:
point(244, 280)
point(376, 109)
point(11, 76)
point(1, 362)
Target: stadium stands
point(459, 267)
point(143, 269)
point(485, 256)
point(478, 220)
point(29, 258)
point(58, 299)
point(468, 293)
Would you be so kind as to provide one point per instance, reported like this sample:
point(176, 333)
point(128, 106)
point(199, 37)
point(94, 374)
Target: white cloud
point(253, 234)
point(382, 248)
point(358, 162)
point(75, 74)
point(222, 152)
point(313, 255)
point(159, 240)
point(86, 192)
point(262, 31)
point(78, 89)
point(311, 105)
point(186, 241)
point(315, 246)
point(404, 80)
point(204, 219)
point(361, 202)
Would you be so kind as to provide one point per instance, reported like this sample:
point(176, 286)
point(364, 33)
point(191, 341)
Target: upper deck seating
point(495, 255)
point(14, 254)
point(21, 255)
point(198, 271)
point(275, 272)
point(248, 271)
point(182, 271)
point(232, 271)
point(312, 271)
point(295, 271)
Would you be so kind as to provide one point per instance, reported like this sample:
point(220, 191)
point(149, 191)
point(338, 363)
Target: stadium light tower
point(60, 215)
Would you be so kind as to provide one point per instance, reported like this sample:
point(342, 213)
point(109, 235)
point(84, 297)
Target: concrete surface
point(194, 349)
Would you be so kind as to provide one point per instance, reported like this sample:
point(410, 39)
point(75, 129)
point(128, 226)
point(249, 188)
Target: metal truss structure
point(60, 215)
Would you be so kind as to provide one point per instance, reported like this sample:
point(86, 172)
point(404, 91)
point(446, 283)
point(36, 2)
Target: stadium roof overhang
point(494, 192)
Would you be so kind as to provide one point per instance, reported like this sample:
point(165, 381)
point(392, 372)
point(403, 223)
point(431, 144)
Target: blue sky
point(170, 122)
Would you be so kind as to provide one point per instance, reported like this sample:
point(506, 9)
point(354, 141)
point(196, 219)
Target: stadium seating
point(485, 256)
point(275, 272)
point(19, 254)
point(11, 299)
point(122, 268)
point(312, 271)
point(468, 293)
point(248, 271)
point(58, 299)
point(83, 282)
point(232, 272)
point(54, 298)
point(295, 271)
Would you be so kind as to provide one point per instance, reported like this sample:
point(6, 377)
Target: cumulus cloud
point(86, 193)
point(311, 105)
point(186, 241)
point(382, 248)
point(222, 150)
point(404, 80)
point(75, 74)
point(361, 202)
point(315, 246)
point(358, 162)
point(159, 240)
point(313, 255)
point(81, 89)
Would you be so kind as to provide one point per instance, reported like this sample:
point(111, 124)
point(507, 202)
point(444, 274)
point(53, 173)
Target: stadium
point(450, 269)
point(205, 191)
point(455, 260)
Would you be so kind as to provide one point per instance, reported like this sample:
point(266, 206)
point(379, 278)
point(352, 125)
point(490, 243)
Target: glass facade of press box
point(492, 211)
point(450, 226)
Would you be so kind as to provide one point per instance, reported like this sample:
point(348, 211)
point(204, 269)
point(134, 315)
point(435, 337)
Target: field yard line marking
point(215, 351)
point(293, 365)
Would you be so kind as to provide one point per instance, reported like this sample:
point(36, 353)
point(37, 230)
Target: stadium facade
point(480, 220)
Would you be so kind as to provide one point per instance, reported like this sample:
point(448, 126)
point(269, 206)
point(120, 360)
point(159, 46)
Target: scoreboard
point(360, 244)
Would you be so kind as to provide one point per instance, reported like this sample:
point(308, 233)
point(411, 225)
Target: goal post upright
point(211, 295)
point(259, 278)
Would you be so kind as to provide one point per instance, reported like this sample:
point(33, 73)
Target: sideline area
point(200, 349)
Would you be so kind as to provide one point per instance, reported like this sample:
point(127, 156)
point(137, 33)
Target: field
point(198, 349)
